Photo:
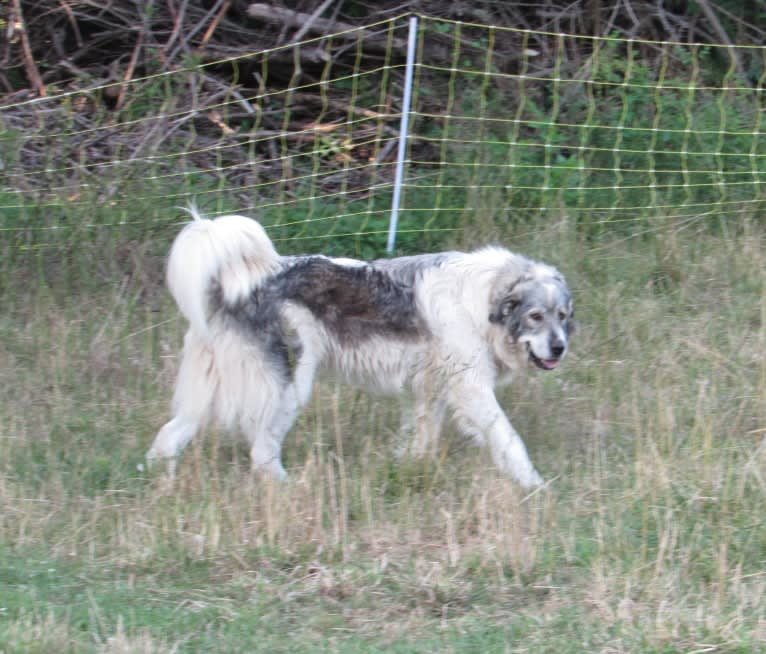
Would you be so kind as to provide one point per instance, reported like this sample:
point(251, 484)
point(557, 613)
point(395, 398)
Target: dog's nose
point(557, 349)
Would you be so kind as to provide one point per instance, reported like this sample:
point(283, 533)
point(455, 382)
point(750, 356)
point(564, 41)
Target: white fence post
point(403, 128)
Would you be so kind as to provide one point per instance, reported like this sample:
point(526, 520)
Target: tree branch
point(721, 34)
point(33, 75)
point(312, 23)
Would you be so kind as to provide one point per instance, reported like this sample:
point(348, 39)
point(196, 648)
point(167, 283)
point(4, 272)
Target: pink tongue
point(550, 364)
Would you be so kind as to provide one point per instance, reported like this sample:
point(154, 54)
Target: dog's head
point(536, 312)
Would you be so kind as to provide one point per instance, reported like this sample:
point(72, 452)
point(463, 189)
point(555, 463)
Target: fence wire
point(608, 133)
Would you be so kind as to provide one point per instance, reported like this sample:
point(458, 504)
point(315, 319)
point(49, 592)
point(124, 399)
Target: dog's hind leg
point(267, 432)
point(287, 401)
point(266, 444)
point(265, 450)
point(171, 439)
point(195, 389)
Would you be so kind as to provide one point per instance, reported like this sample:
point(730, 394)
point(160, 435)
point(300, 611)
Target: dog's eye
point(562, 316)
point(536, 316)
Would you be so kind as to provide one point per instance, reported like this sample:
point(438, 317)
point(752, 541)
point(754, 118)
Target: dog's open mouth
point(544, 364)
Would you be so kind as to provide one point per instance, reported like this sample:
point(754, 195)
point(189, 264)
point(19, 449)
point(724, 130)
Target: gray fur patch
point(354, 303)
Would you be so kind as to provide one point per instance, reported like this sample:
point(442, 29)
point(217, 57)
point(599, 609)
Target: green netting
point(515, 125)
point(635, 131)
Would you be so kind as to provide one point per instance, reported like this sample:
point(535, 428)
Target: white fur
point(231, 249)
point(225, 376)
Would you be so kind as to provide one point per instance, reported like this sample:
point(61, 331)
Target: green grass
point(651, 537)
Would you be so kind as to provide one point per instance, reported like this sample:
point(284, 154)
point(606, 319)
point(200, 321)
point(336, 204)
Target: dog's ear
point(503, 309)
point(509, 300)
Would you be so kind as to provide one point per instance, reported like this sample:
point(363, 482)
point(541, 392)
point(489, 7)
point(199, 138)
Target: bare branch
point(129, 72)
point(216, 20)
point(29, 61)
point(310, 20)
point(316, 25)
point(720, 32)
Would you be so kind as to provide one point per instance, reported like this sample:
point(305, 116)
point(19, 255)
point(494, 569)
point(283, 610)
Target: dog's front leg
point(478, 414)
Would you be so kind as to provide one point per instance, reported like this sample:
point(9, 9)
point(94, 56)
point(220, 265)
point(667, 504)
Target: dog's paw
point(153, 459)
point(271, 470)
point(530, 479)
point(517, 465)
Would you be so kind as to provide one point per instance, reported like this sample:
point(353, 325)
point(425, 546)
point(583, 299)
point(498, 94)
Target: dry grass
point(651, 537)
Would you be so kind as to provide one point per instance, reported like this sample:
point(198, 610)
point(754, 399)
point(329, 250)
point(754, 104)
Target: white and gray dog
point(446, 327)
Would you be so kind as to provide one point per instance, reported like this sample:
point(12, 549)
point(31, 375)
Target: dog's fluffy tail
point(232, 251)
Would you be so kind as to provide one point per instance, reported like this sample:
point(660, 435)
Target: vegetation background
point(650, 536)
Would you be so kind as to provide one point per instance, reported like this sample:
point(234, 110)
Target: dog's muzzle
point(557, 351)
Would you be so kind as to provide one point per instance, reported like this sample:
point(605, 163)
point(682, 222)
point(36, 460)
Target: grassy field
point(650, 538)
